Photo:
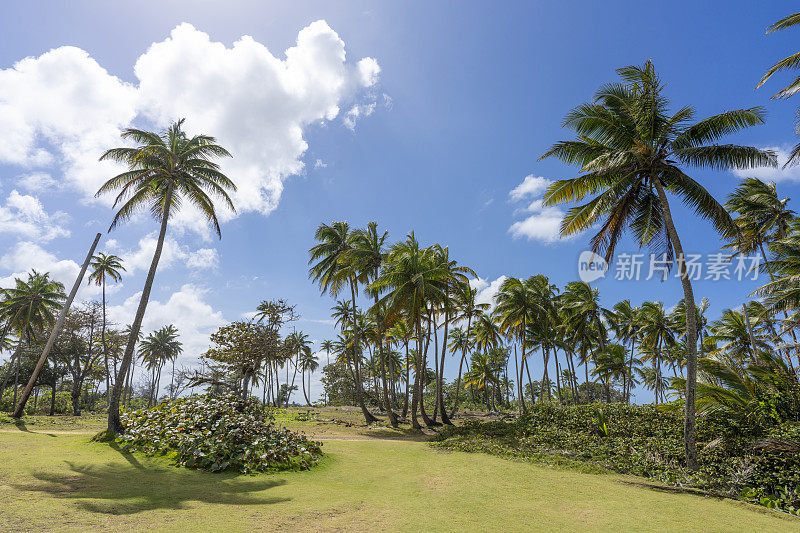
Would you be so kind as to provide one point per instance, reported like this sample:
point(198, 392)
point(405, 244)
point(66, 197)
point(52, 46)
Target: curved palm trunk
point(415, 393)
point(689, 425)
point(523, 361)
point(369, 418)
point(114, 422)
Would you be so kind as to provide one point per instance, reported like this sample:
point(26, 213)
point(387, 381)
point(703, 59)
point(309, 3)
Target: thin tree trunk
point(20, 409)
point(689, 426)
point(114, 423)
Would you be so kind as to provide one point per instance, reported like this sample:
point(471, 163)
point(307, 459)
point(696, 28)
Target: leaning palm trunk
point(440, 392)
point(114, 423)
point(689, 427)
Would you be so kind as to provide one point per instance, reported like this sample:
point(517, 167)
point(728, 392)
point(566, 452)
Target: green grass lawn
point(52, 480)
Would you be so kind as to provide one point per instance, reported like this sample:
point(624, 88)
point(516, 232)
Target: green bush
point(753, 463)
point(218, 433)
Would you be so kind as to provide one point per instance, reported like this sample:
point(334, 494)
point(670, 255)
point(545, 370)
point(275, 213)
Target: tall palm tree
point(788, 63)
point(624, 320)
point(157, 349)
point(412, 280)
point(164, 170)
point(331, 270)
point(516, 309)
point(308, 363)
point(28, 308)
point(631, 151)
point(365, 256)
point(470, 310)
point(584, 316)
point(658, 336)
point(105, 267)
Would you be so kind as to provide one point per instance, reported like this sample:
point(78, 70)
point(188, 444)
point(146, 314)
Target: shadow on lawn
point(120, 489)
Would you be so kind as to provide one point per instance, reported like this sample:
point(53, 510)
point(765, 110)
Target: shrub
point(218, 433)
point(758, 464)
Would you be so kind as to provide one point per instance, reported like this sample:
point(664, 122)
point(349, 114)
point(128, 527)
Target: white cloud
point(37, 182)
point(487, 290)
point(63, 107)
point(530, 187)
point(24, 256)
point(25, 216)
point(543, 225)
point(319, 163)
point(357, 112)
point(172, 252)
point(791, 173)
point(187, 309)
point(204, 258)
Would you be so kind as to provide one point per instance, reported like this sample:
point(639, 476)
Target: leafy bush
point(218, 433)
point(757, 464)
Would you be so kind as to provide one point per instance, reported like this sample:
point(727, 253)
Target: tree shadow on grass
point(121, 489)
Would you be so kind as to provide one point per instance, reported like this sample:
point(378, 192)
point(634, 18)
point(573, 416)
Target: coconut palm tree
point(308, 363)
point(164, 170)
point(624, 320)
point(105, 267)
point(788, 63)
point(365, 255)
point(156, 350)
point(658, 336)
point(28, 308)
point(631, 152)
point(332, 271)
point(412, 280)
point(470, 310)
point(516, 308)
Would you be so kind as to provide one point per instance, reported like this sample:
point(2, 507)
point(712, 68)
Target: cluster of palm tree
point(157, 349)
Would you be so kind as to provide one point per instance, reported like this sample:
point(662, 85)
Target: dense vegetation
point(218, 433)
point(735, 460)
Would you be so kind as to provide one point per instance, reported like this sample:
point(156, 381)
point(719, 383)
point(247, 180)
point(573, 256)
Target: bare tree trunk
point(689, 425)
point(20, 409)
point(114, 422)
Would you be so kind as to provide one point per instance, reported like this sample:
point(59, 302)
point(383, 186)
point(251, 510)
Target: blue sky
point(450, 114)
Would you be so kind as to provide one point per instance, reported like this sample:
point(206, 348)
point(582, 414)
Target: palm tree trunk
point(369, 418)
point(440, 398)
point(460, 365)
point(114, 422)
point(689, 425)
point(105, 346)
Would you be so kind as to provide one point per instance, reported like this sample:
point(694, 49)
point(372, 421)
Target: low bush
point(756, 464)
point(216, 434)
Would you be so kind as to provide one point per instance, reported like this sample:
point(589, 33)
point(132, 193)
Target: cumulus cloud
point(542, 223)
point(37, 182)
point(172, 252)
point(24, 215)
point(62, 108)
point(25, 255)
point(791, 173)
point(487, 290)
point(186, 309)
point(530, 187)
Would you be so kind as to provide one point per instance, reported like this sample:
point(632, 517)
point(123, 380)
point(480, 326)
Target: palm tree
point(631, 151)
point(331, 271)
point(788, 63)
point(164, 170)
point(156, 349)
point(466, 308)
point(658, 336)
point(365, 256)
point(624, 320)
point(584, 322)
point(308, 363)
point(105, 267)
point(28, 308)
point(412, 280)
point(516, 309)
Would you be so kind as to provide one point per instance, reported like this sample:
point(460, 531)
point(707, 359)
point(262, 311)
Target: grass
point(55, 479)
